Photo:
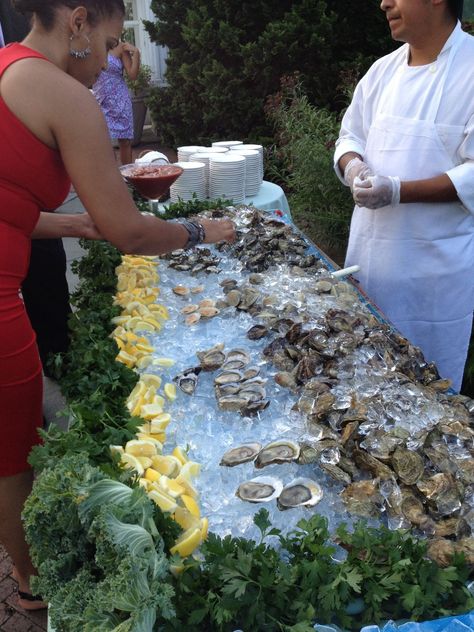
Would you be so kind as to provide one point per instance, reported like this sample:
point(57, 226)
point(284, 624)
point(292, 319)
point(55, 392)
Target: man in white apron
point(406, 149)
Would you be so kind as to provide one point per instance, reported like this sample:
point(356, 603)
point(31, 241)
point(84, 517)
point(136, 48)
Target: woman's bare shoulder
point(43, 96)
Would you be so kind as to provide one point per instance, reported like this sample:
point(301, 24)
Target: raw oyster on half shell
point(241, 454)
point(301, 492)
point(277, 452)
point(261, 489)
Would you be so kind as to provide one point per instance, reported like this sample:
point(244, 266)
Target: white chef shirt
point(411, 98)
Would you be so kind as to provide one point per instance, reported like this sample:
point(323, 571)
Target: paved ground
point(13, 618)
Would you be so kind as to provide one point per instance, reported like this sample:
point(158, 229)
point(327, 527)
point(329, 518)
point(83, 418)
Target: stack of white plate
point(213, 150)
point(204, 157)
point(186, 151)
point(252, 170)
point(227, 177)
point(191, 181)
point(227, 143)
point(259, 148)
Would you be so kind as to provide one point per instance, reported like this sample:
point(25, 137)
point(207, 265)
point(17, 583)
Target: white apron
point(417, 260)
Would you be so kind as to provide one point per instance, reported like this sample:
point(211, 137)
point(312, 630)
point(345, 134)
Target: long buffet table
point(272, 197)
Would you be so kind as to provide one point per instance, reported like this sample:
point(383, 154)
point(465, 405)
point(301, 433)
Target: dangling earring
point(80, 54)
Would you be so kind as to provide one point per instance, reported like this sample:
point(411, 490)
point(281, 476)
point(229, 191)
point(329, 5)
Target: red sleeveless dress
point(32, 177)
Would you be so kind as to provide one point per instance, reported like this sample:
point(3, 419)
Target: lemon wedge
point(164, 362)
point(187, 542)
point(160, 422)
point(141, 447)
point(149, 411)
point(204, 529)
point(190, 469)
point(170, 486)
point(117, 449)
point(185, 519)
point(190, 489)
point(180, 454)
point(191, 505)
point(143, 362)
point(164, 502)
point(131, 462)
point(167, 465)
point(145, 461)
point(152, 475)
point(150, 379)
point(170, 391)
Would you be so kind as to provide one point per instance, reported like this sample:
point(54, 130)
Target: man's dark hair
point(45, 10)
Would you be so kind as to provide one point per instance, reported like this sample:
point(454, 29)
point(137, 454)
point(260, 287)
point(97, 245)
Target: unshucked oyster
point(261, 489)
point(301, 492)
point(241, 454)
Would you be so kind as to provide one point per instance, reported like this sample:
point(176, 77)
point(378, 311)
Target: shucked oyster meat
point(277, 452)
point(241, 454)
point(261, 489)
point(301, 492)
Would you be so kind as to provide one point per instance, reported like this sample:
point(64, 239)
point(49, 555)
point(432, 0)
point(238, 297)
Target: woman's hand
point(86, 227)
point(217, 230)
point(129, 48)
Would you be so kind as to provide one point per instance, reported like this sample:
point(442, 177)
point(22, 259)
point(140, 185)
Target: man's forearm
point(345, 159)
point(438, 189)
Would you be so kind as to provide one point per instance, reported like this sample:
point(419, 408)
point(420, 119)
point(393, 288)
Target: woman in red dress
point(52, 131)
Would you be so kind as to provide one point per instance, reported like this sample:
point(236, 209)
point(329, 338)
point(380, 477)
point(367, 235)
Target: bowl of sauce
point(150, 180)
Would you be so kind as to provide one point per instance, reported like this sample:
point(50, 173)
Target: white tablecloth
point(270, 197)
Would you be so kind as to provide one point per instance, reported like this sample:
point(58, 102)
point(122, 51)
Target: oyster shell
point(226, 377)
point(207, 302)
point(213, 358)
point(231, 403)
point(363, 498)
point(252, 408)
point(301, 492)
point(187, 379)
point(261, 489)
point(192, 319)
point(277, 452)
point(256, 332)
point(189, 309)
point(323, 286)
point(208, 312)
point(241, 454)
point(251, 372)
point(233, 298)
point(181, 290)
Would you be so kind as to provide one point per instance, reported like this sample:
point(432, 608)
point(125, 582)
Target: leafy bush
point(226, 57)
point(302, 160)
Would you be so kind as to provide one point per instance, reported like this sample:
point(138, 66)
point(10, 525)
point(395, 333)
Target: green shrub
point(226, 57)
point(302, 161)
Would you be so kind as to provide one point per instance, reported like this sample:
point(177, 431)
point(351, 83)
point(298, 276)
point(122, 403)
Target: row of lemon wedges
point(167, 479)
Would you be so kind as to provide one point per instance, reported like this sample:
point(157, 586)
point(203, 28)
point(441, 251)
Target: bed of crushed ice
point(209, 432)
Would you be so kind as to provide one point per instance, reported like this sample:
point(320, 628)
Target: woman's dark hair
point(45, 9)
point(456, 7)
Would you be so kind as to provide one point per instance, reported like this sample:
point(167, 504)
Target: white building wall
point(151, 54)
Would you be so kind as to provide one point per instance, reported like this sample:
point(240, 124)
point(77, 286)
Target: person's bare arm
point(52, 225)
point(61, 112)
point(438, 189)
point(346, 158)
point(131, 60)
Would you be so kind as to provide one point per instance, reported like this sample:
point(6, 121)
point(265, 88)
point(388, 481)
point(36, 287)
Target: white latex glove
point(356, 168)
point(377, 191)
